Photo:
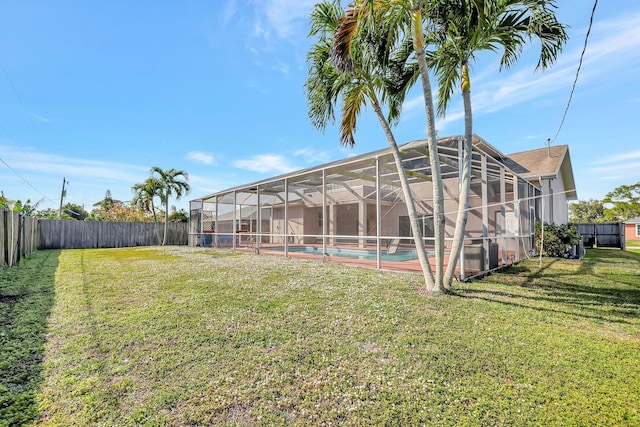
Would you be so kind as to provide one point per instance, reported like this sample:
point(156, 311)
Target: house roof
point(529, 165)
point(633, 221)
point(418, 145)
point(536, 163)
point(549, 162)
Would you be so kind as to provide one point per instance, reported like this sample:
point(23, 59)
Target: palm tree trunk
point(155, 222)
point(166, 222)
point(432, 145)
point(416, 229)
point(465, 181)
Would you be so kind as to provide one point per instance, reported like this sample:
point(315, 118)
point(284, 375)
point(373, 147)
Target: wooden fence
point(18, 237)
point(65, 234)
point(602, 235)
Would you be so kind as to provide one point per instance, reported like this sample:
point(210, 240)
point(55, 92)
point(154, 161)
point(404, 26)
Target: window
point(405, 227)
point(637, 229)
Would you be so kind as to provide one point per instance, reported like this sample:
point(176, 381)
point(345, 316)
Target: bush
point(179, 216)
point(558, 239)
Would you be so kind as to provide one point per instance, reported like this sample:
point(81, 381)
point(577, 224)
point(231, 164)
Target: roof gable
point(540, 162)
point(550, 162)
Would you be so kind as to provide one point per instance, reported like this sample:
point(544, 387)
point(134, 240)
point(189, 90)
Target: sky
point(100, 92)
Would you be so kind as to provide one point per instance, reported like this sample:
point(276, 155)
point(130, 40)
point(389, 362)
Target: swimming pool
point(363, 254)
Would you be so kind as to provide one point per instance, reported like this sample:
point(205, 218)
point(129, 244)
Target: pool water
point(363, 254)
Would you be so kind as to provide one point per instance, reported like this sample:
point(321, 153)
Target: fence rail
point(65, 234)
point(18, 237)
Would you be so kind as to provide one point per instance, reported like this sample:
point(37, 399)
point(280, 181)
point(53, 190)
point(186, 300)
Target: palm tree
point(171, 182)
point(468, 27)
point(392, 20)
point(457, 29)
point(143, 195)
point(372, 77)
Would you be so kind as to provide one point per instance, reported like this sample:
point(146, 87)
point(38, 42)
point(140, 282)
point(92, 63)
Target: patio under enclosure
point(353, 211)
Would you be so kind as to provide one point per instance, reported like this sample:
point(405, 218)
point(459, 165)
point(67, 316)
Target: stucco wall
point(560, 206)
point(630, 232)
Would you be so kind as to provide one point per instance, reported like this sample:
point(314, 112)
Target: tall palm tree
point(468, 27)
point(457, 29)
point(143, 195)
point(393, 19)
point(373, 77)
point(172, 182)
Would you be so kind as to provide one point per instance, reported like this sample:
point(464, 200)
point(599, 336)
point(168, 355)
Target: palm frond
point(343, 35)
point(355, 98)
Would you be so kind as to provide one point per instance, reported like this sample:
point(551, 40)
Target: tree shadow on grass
point(578, 292)
point(605, 254)
point(26, 299)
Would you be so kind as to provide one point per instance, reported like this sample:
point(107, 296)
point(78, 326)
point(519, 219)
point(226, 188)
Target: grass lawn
point(633, 246)
point(187, 336)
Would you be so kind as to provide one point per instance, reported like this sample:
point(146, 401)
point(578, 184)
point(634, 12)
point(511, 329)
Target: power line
point(22, 178)
point(575, 81)
point(29, 116)
point(16, 172)
point(24, 108)
point(26, 112)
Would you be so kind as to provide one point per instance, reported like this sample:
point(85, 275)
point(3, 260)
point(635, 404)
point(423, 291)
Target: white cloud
point(282, 67)
point(617, 158)
point(229, 11)
point(612, 178)
point(88, 179)
point(413, 104)
point(633, 168)
point(625, 163)
point(207, 184)
point(442, 122)
point(259, 30)
point(257, 87)
point(283, 16)
point(265, 163)
point(73, 167)
point(201, 157)
point(311, 155)
point(39, 117)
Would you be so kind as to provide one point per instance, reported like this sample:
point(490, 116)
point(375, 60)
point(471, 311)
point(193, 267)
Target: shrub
point(558, 239)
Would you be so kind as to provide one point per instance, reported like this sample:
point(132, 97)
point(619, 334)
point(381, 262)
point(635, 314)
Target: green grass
point(633, 246)
point(184, 336)
point(26, 299)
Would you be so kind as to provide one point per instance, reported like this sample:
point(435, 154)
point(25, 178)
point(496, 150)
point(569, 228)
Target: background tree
point(26, 208)
point(4, 202)
point(179, 216)
point(73, 211)
point(49, 213)
point(118, 212)
point(172, 183)
point(625, 201)
point(591, 210)
point(144, 194)
point(108, 201)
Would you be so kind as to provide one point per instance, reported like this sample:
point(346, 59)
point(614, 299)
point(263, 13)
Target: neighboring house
point(550, 170)
point(353, 210)
point(632, 229)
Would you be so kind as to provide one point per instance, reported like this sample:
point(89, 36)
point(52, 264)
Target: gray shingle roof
point(535, 163)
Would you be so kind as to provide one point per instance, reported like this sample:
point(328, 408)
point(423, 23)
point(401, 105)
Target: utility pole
point(62, 194)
